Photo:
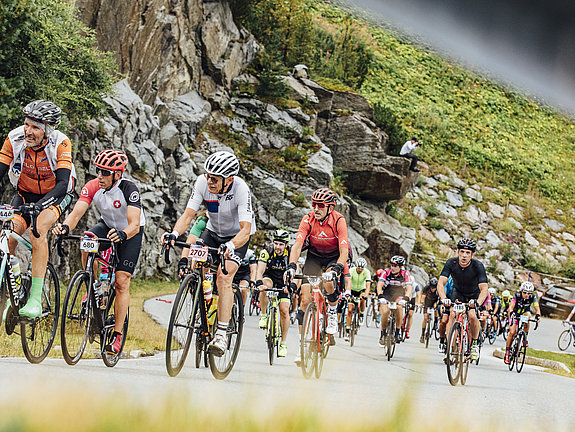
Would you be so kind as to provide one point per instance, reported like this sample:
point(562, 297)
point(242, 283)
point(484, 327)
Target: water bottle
point(207, 286)
point(105, 284)
point(15, 276)
point(98, 292)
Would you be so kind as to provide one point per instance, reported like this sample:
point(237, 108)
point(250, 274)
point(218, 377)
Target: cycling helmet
point(222, 163)
point(506, 294)
point(398, 259)
point(323, 195)
point(467, 243)
point(281, 236)
point(527, 287)
point(112, 160)
point(492, 291)
point(433, 281)
point(361, 263)
point(379, 273)
point(44, 112)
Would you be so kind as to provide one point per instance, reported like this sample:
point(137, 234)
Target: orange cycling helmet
point(112, 160)
point(323, 195)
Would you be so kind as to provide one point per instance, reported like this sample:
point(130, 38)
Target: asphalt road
point(359, 378)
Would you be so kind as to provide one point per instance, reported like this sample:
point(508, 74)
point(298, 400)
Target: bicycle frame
point(4, 260)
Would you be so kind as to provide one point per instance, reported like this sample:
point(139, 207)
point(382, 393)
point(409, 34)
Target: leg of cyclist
point(350, 308)
point(398, 318)
point(410, 316)
point(424, 325)
point(512, 333)
point(384, 311)
point(268, 284)
point(443, 329)
point(284, 323)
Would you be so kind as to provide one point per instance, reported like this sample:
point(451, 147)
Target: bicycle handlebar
point(166, 251)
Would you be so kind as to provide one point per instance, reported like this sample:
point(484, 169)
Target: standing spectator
point(407, 151)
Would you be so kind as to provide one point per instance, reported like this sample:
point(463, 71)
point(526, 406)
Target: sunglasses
point(394, 265)
point(212, 178)
point(318, 205)
point(104, 172)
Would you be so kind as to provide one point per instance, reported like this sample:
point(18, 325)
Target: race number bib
point(523, 319)
point(198, 253)
point(89, 245)
point(459, 308)
point(6, 213)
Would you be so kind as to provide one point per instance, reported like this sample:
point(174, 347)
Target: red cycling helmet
point(379, 272)
point(323, 195)
point(112, 160)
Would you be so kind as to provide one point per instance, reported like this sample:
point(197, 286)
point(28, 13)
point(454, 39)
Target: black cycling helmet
point(467, 243)
point(398, 259)
point(44, 112)
point(433, 281)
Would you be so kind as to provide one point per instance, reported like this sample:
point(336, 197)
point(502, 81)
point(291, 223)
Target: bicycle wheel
point(465, 345)
point(308, 347)
point(390, 338)
point(324, 347)
point(521, 351)
point(37, 335)
point(222, 366)
point(513, 353)
point(369, 315)
point(181, 325)
point(491, 333)
point(271, 336)
point(564, 340)
point(454, 354)
point(109, 320)
point(354, 326)
point(427, 332)
point(436, 328)
point(76, 317)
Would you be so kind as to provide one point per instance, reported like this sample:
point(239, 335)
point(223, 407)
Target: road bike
point(273, 332)
point(193, 317)
point(491, 328)
point(314, 344)
point(429, 326)
point(342, 306)
point(403, 328)
point(254, 308)
point(372, 310)
point(519, 344)
point(354, 326)
point(389, 340)
point(458, 351)
point(36, 334)
point(567, 337)
point(437, 320)
point(87, 314)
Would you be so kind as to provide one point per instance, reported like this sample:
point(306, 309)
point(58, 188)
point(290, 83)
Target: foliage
point(338, 181)
point(271, 85)
point(435, 224)
point(387, 121)
point(46, 53)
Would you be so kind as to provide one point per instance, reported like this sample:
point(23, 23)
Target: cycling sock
point(331, 309)
point(474, 342)
point(222, 328)
point(33, 307)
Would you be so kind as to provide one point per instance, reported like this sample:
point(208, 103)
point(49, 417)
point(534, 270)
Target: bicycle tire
point(38, 335)
point(271, 337)
point(354, 326)
point(182, 322)
point(427, 332)
point(324, 348)
point(390, 339)
point(491, 334)
point(513, 353)
point(222, 366)
point(453, 353)
point(521, 352)
point(369, 315)
point(465, 346)
point(436, 322)
point(308, 344)
point(480, 341)
point(403, 329)
point(111, 360)
point(76, 317)
point(564, 340)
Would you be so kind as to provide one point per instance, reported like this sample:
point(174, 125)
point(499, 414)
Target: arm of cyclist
point(483, 291)
point(58, 191)
point(72, 219)
point(441, 289)
point(182, 224)
point(240, 239)
point(408, 290)
point(365, 294)
point(119, 236)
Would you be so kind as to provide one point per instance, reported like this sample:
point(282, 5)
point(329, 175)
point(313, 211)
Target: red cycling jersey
point(326, 237)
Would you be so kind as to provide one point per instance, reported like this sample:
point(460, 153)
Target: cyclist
point(231, 222)
point(272, 264)
point(246, 275)
point(359, 289)
point(394, 284)
point(122, 221)
point(521, 305)
point(568, 319)
point(323, 231)
point(469, 286)
point(413, 302)
point(429, 298)
point(38, 160)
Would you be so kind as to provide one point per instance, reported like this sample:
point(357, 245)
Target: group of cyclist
point(38, 159)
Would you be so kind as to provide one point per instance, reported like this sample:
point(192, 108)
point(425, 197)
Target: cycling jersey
point(523, 305)
point(323, 237)
point(400, 279)
point(449, 287)
point(465, 280)
point(113, 204)
point(494, 301)
point(359, 280)
point(415, 289)
point(32, 170)
point(431, 295)
point(227, 210)
point(505, 303)
point(276, 265)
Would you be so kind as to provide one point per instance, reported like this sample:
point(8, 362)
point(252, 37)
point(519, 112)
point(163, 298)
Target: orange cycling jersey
point(326, 237)
point(37, 176)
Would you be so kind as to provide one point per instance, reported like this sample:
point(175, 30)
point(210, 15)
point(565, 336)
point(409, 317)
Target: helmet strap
point(223, 188)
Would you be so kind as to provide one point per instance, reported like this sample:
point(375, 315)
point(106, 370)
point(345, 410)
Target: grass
point(567, 359)
point(143, 333)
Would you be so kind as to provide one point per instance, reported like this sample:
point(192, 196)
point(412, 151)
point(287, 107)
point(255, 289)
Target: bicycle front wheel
point(564, 340)
point(390, 338)
point(354, 326)
point(271, 336)
point(309, 342)
point(222, 366)
point(109, 319)
point(38, 335)
point(76, 317)
point(454, 353)
point(513, 353)
point(181, 325)
point(427, 332)
point(521, 351)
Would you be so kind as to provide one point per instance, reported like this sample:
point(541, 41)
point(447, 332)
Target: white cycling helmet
point(492, 291)
point(223, 164)
point(361, 263)
point(527, 287)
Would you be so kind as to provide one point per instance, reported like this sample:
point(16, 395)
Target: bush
point(386, 120)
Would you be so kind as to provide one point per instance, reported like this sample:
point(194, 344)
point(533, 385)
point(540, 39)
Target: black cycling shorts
point(128, 252)
point(457, 296)
point(277, 283)
point(243, 274)
point(213, 240)
point(392, 293)
point(315, 266)
point(59, 206)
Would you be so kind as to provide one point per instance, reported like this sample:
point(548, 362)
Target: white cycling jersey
point(227, 210)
